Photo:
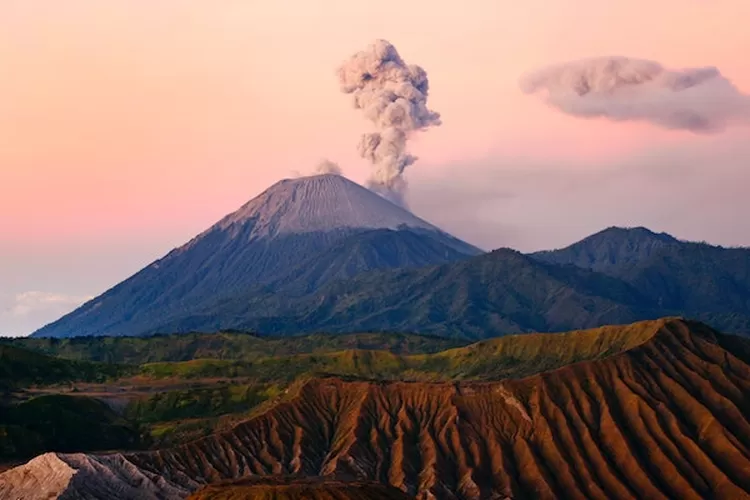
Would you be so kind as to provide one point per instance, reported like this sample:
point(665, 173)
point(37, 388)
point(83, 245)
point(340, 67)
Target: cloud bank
point(700, 100)
point(693, 190)
point(23, 312)
point(393, 96)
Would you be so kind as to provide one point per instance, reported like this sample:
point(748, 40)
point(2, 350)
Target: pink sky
point(127, 127)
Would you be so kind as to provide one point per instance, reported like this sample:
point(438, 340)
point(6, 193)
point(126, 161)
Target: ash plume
point(328, 167)
point(700, 100)
point(393, 95)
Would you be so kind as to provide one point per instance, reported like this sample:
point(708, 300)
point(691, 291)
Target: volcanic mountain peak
point(628, 236)
point(613, 246)
point(319, 203)
point(266, 240)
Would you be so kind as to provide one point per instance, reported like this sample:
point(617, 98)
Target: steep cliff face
point(666, 418)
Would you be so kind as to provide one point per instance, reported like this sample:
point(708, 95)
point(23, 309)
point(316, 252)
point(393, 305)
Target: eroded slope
point(664, 416)
point(299, 489)
point(666, 419)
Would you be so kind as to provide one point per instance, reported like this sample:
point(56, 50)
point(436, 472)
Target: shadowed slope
point(20, 367)
point(493, 294)
point(611, 249)
point(299, 489)
point(710, 283)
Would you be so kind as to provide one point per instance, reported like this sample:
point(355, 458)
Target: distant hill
point(223, 346)
point(707, 282)
point(19, 367)
point(333, 226)
point(612, 249)
point(493, 294)
point(376, 249)
point(641, 275)
point(63, 423)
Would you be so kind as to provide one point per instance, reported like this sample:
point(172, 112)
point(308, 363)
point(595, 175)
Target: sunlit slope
point(666, 418)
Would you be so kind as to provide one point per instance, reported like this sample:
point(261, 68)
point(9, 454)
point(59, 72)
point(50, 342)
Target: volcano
point(310, 220)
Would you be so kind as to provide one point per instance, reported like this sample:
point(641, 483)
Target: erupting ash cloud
point(393, 95)
point(328, 167)
point(700, 100)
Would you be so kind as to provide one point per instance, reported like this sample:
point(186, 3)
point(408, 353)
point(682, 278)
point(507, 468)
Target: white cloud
point(694, 190)
point(21, 313)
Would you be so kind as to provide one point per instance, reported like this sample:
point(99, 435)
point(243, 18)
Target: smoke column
point(393, 95)
point(700, 100)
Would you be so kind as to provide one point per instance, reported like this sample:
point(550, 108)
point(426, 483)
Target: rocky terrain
point(294, 489)
point(662, 416)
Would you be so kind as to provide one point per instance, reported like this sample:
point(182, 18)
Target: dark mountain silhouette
point(708, 282)
point(493, 294)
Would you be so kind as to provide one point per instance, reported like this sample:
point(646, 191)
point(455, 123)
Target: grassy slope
point(20, 367)
point(665, 419)
point(63, 423)
point(216, 393)
point(224, 345)
point(511, 356)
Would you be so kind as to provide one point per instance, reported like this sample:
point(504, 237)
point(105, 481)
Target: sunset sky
point(127, 127)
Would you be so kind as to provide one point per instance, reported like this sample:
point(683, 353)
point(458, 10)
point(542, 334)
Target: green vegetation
point(63, 423)
point(21, 367)
point(198, 403)
point(168, 403)
point(223, 345)
point(178, 416)
point(511, 356)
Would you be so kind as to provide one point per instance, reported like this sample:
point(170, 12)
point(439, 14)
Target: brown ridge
point(298, 489)
point(665, 419)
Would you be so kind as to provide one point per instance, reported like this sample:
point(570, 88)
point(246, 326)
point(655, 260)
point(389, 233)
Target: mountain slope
point(376, 249)
point(264, 240)
point(25, 367)
point(610, 250)
point(222, 345)
point(666, 416)
point(711, 283)
point(679, 399)
point(299, 489)
point(493, 294)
